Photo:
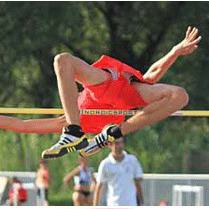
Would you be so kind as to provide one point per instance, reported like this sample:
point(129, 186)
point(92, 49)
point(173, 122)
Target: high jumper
point(108, 84)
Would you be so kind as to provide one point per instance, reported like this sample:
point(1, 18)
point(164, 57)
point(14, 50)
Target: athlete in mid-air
point(108, 84)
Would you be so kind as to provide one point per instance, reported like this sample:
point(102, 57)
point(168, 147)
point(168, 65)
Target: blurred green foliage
point(137, 33)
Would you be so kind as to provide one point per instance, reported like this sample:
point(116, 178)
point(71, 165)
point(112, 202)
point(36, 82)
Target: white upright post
point(41, 199)
point(15, 198)
point(179, 189)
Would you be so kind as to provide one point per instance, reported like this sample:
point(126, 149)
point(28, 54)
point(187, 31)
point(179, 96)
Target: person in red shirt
point(22, 193)
point(42, 183)
point(108, 84)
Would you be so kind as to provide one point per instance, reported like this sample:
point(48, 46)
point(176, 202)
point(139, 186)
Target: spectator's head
point(83, 161)
point(117, 146)
point(15, 180)
point(42, 163)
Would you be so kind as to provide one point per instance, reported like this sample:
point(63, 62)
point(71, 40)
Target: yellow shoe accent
point(46, 154)
point(111, 139)
point(97, 143)
point(84, 154)
point(63, 149)
point(72, 144)
point(71, 149)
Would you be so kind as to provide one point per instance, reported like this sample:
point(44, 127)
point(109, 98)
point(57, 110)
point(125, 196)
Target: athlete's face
point(117, 146)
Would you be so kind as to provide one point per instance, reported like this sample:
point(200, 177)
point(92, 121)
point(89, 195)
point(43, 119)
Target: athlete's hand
point(189, 44)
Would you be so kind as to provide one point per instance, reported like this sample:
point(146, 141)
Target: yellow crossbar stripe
point(56, 111)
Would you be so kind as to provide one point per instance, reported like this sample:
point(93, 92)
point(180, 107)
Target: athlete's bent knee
point(62, 62)
point(181, 96)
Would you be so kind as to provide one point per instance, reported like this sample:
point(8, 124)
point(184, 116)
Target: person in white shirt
point(122, 173)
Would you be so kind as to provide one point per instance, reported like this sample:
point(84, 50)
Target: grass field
point(61, 198)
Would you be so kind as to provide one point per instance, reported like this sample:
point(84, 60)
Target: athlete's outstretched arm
point(39, 126)
point(187, 46)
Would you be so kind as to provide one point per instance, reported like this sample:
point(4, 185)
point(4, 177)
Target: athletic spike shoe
point(108, 134)
point(71, 140)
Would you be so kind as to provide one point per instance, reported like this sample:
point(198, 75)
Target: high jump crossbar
point(56, 111)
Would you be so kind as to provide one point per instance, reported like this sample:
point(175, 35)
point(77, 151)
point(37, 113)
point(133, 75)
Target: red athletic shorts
point(112, 94)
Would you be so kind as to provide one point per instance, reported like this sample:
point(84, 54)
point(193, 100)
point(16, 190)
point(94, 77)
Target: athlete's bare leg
point(69, 69)
point(163, 101)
